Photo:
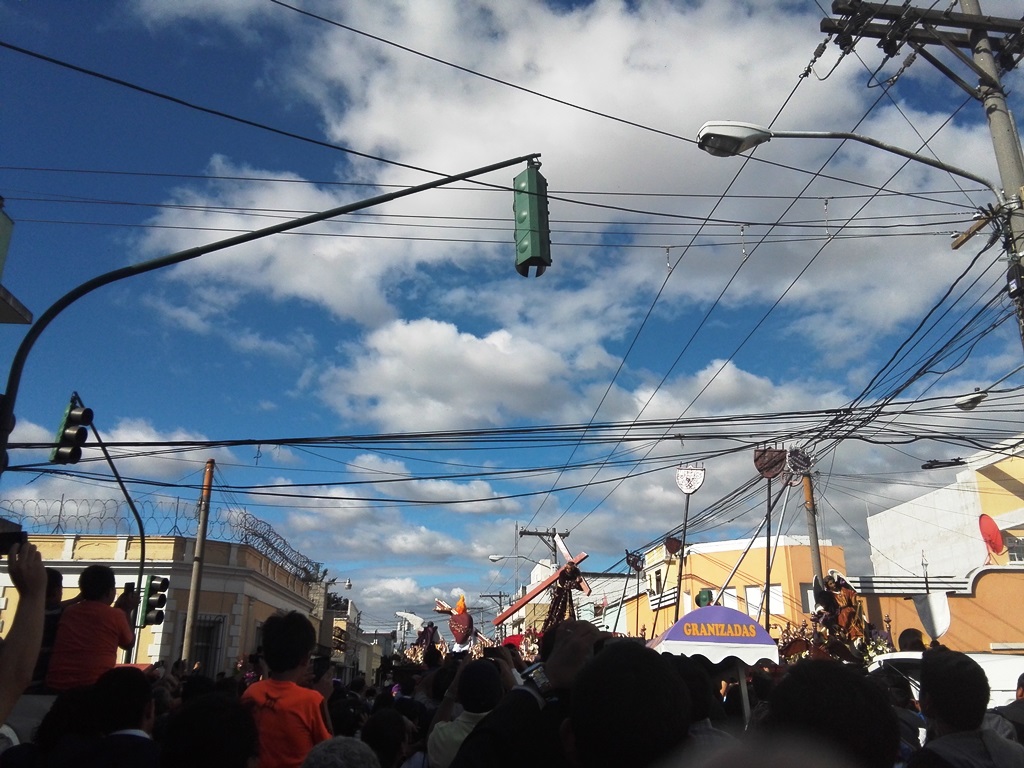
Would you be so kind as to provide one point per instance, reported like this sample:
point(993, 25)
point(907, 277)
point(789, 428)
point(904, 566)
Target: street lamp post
point(727, 138)
point(10, 395)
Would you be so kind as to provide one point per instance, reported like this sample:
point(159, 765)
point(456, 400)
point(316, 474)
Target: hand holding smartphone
point(9, 538)
point(320, 666)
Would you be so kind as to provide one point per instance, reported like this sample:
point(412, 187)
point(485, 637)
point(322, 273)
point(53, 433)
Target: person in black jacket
point(954, 695)
point(126, 713)
point(1014, 711)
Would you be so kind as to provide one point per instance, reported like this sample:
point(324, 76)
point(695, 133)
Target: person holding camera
point(91, 630)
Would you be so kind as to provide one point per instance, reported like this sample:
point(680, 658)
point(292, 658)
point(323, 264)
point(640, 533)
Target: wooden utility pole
point(192, 614)
point(799, 463)
point(812, 527)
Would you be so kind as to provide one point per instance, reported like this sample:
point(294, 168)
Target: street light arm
point(727, 138)
point(10, 395)
point(924, 159)
point(499, 558)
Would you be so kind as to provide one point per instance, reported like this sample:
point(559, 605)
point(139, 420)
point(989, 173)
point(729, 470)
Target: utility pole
point(192, 614)
point(1006, 144)
point(550, 537)
point(812, 527)
point(995, 45)
point(499, 599)
point(799, 463)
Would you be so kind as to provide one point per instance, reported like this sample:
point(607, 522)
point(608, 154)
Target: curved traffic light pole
point(9, 397)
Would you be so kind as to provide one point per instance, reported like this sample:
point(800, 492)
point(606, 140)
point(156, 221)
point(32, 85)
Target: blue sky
point(671, 296)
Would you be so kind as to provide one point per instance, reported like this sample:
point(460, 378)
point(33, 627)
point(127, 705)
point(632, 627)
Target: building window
point(206, 644)
point(753, 595)
point(1016, 548)
point(806, 598)
point(657, 582)
point(730, 599)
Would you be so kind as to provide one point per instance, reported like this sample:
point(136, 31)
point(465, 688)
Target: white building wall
point(941, 527)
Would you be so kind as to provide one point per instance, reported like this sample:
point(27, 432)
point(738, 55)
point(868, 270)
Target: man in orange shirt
point(291, 718)
point(90, 631)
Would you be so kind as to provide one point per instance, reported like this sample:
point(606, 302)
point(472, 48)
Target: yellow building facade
point(734, 572)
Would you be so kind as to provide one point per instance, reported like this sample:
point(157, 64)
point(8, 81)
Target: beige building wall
point(983, 617)
point(240, 589)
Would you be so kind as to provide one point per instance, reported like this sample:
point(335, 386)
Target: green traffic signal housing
point(154, 598)
point(72, 434)
point(533, 234)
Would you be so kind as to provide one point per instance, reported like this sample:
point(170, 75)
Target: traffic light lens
point(76, 435)
point(69, 454)
point(82, 416)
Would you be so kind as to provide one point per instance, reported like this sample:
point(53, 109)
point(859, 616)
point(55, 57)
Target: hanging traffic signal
point(533, 235)
point(154, 598)
point(72, 434)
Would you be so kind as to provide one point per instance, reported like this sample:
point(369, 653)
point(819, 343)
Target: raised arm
point(25, 637)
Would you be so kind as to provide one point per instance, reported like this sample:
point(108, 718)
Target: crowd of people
point(590, 701)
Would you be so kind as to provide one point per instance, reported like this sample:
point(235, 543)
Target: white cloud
point(426, 375)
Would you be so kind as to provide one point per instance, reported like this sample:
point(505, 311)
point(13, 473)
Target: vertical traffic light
point(72, 434)
point(533, 234)
point(154, 598)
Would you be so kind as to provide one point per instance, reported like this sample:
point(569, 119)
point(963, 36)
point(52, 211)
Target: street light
point(498, 558)
point(973, 400)
point(727, 138)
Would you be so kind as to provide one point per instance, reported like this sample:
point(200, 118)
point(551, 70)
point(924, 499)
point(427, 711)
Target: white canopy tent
point(719, 635)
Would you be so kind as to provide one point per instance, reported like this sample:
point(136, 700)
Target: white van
point(1001, 669)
